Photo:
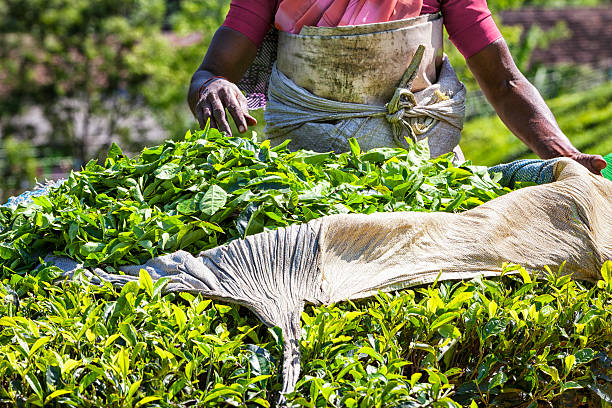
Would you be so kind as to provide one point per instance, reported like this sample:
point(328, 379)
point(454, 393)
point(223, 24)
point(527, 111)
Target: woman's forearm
point(518, 103)
point(523, 110)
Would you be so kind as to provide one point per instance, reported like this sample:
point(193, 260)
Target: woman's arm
point(230, 54)
point(521, 107)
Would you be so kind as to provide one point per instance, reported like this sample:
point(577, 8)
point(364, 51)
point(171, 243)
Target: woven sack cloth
point(320, 124)
point(567, 221)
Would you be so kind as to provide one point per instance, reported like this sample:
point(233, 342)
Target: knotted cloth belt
point(404, 112)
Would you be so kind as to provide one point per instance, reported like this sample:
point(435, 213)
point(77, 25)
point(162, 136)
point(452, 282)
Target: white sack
point(319, 124)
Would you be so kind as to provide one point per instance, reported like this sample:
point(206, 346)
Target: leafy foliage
point(521, 42)
point(516, 341)
point(511, 342)
point(201, 192)
point(494, 343)
point(71, 59)
point(168, 67)
point(17, 166)
point(97, 72)
point(514, 4)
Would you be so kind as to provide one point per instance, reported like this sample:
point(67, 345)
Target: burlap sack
point(379, 83)
point(315, 123)
point(351, 256)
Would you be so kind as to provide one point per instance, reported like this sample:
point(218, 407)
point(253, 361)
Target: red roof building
point(590, 39)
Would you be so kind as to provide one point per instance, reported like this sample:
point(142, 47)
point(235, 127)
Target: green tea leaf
point(114, 151)
point(146, 400)
point(214, 199)
point(551, 371)
point(585, 355)
point(606, 273)
point(38, 344)
point(122, 360)
point(355, 149)
point(497, 380)
point(145, 281)
point(35, 385)
point(129, 333)
point(570, 360)
point(55, 394)
point(494, 327)
point(180, 317)
point(168, 171)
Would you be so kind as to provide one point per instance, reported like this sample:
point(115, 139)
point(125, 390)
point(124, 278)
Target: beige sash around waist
point(364, 63)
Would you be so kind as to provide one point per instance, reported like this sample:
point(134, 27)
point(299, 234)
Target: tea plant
point(509, 342)
point(208, 189)
point(513, 341)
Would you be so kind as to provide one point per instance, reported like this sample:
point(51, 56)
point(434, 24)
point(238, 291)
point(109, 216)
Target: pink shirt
point(468, 22)
point(292, 15)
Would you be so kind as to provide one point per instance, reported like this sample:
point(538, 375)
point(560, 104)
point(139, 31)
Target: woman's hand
point(216, 94)
point(213, 88)
point(593, 162)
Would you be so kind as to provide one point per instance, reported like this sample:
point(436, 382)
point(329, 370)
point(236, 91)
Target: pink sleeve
point(252, 18)
point(469, 24)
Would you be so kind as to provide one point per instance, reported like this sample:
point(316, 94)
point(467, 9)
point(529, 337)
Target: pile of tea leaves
point(208, 189)
point(512, 341)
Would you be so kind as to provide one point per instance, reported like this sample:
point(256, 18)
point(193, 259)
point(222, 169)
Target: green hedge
point(509, 342)
point(512, 341)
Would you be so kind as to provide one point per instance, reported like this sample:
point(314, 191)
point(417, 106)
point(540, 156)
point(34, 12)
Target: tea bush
point(512, 341)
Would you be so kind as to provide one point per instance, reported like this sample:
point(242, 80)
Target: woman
point(470, 27)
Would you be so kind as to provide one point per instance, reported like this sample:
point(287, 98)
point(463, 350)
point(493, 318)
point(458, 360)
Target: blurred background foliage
point(77, 75)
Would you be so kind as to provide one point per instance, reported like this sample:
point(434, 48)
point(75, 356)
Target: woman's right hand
point(230, 54)
point(215, 95)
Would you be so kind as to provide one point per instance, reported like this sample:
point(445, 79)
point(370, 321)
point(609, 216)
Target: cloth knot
point(403, 113)
point(396, 117)
point(400, 109)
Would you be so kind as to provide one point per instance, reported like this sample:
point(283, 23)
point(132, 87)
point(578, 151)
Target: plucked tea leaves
point(512, 341)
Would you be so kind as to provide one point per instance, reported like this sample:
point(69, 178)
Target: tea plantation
point(524, 339)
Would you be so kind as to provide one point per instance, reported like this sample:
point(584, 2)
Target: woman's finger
point(218, 112)
point(201, 116)
point(204, 114)
point(236, 110)
point(251, 121)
